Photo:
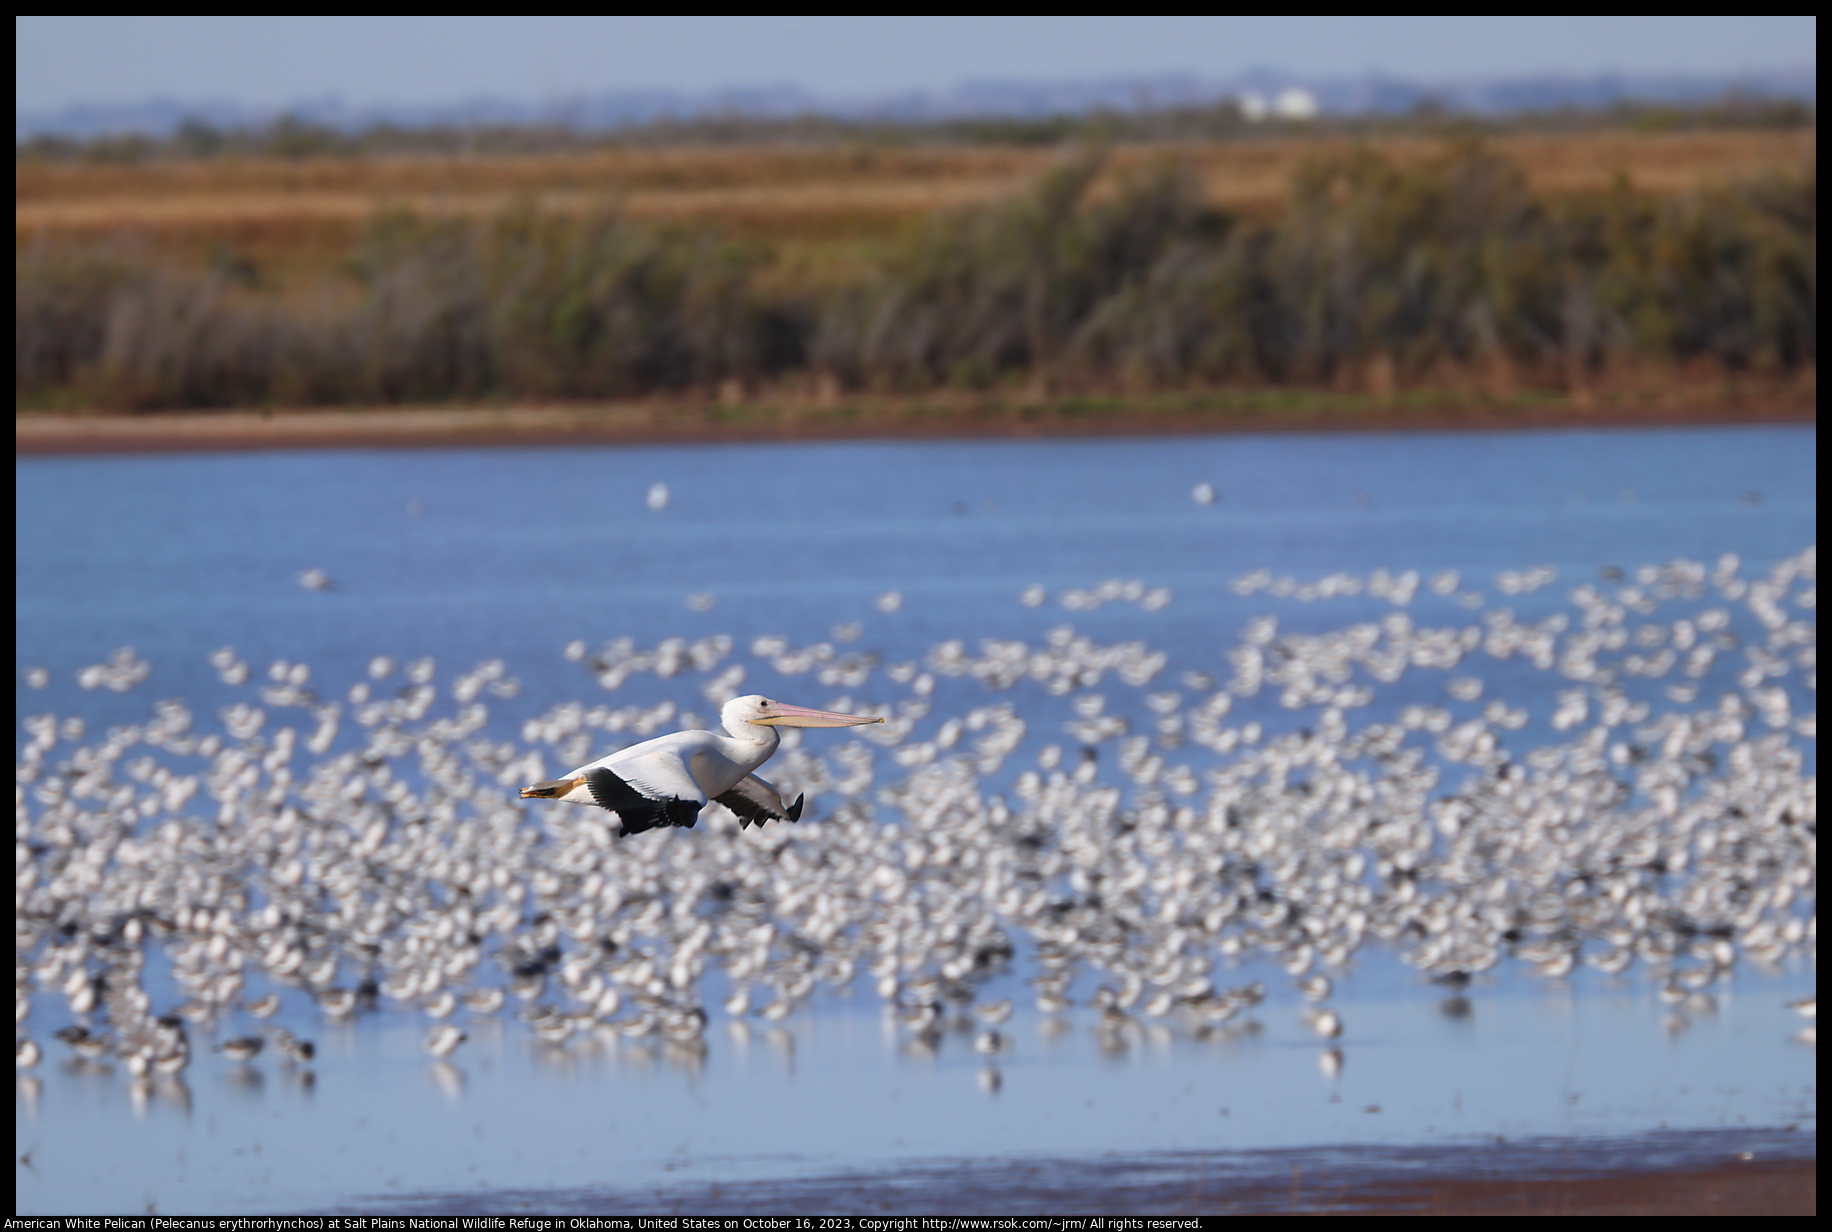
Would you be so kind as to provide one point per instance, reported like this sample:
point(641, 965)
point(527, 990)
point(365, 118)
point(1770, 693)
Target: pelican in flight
point(668, 780)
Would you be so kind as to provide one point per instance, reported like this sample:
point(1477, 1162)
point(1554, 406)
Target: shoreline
point(1709, 1172)
point(938, 417)
point(1763, 1187)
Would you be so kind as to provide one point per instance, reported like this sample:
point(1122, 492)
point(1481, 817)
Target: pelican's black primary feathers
point(755, 802)
point(638, 811)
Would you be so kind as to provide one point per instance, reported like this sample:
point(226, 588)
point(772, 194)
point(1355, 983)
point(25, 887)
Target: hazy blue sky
point(266, 61)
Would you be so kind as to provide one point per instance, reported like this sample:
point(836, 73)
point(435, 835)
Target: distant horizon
point(1337, 94)
point(271, 64)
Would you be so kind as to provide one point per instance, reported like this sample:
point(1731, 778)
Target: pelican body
point(668, 780)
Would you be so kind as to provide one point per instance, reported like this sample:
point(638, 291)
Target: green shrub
point(1086, 280)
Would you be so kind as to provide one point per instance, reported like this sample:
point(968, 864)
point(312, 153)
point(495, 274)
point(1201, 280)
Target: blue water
point(839, 1090)
point(466, 556)
point(469, 555)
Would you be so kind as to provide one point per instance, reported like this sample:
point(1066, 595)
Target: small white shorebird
point(668, 780)
point(443, 1040)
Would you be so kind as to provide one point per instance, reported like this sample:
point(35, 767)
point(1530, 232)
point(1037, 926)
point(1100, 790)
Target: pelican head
point(766, 713)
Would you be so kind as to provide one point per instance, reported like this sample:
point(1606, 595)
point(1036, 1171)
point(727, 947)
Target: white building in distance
point(1291, 103)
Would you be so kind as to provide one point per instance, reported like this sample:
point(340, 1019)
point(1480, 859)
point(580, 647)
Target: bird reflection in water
point(782, 1042)
point(162, 1091)
point(245, 1080)
point(1329, 1062)
point(448, 1078)
point(31, 1089)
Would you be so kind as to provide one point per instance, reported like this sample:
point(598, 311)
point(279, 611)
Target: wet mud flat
point(688, 422)
point(1742, 1172)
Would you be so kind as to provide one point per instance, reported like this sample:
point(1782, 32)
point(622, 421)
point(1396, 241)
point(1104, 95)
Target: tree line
point(1372, 272)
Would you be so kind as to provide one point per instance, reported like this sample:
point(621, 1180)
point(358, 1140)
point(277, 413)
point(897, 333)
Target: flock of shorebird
point(1661, 809)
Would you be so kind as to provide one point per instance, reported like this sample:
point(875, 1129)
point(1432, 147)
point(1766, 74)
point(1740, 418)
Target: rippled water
point(472, 555)
point(844, 575)
point(834, 1091)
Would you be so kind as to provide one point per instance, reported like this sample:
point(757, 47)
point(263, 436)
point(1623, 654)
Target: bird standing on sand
point(668, 780)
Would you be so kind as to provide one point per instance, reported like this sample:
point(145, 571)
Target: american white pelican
point(668, 780)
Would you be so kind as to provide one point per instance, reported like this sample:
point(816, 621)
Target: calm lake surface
point(1118, 582)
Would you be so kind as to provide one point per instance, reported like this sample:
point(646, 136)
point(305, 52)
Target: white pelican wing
point(755, 802)
point(650, 785)
point(661, 769)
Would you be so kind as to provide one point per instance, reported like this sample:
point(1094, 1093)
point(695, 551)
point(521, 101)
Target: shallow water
point(468, 556)
point(839, 1090)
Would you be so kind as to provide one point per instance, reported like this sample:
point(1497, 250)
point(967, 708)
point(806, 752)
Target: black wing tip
point(753, 812)
point(610, 791)
point(636, 811)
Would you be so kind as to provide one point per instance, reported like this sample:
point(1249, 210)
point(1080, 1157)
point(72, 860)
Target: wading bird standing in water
point(668, 780)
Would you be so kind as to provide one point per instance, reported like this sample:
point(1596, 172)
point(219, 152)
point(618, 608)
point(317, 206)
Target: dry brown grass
point(1380, 265)
point(293, 214)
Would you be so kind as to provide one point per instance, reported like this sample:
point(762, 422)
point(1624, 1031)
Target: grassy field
point(1507, 265)
point(295, 216)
